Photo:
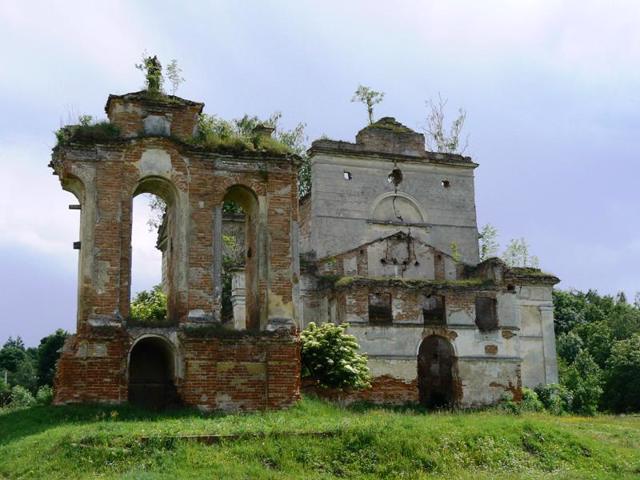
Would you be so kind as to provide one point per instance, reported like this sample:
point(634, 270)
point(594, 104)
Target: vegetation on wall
point(87, 131)
point(516, 254)
point(436, 135)
point(330, 357)
point(369, 98)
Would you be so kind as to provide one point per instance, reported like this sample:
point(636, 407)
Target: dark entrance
point(436, 363)
point(151, 375)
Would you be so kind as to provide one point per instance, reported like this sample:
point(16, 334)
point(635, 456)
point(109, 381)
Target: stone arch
point(152, 369)
point(171, 240)
point(246, 298)
point(437, 373)
point(391, 205)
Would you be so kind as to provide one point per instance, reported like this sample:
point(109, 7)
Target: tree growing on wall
point(436, 134)
point(517, 254)
point(174, 74)
point(488, 242)
point(369, 97)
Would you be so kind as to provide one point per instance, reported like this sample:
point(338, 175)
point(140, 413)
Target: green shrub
point(584, 380)
point(149, 306)
point(622, 376)
point(44, 395)
point(331, 357)
point(87, 131)
point(530, 401)
point(21, 397)
point(555, 398)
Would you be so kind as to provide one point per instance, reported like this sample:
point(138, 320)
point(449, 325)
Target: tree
point(584, 380)
point(436, 137)
point(622, 376)
point(174, 74)
point(517, 254)
point(568, 346)
point(149, 306)
point(369, 97)
point(48, 354)
point(488, 242)
point(330, 356)
point(12, 354)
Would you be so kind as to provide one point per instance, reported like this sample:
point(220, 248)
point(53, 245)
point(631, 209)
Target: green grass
point(365, 442)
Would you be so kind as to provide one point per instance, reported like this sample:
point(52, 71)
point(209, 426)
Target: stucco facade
point(391, 242)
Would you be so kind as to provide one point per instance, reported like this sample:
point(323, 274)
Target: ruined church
point(386, 241)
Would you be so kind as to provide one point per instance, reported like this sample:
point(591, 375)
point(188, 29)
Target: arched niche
point(170, 239)
point(151, 373)
point(240, 274)
point(397, 208)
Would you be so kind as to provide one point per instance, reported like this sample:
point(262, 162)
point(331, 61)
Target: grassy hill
point(314, 440)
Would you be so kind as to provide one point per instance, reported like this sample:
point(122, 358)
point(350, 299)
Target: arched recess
point(397, 207)
point(243, 256)
point(437, 373)
point(170, 240)
point(152, 373)
point(76, 187)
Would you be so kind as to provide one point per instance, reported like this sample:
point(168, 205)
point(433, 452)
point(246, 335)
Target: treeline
point(26, 374)
point(598, 345)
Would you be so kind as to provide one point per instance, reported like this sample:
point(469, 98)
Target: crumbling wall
point(214, 371)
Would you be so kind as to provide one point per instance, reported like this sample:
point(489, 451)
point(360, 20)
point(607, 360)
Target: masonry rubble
point(387, 241)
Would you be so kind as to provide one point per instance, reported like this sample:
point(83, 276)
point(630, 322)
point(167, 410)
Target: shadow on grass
point(17, 424)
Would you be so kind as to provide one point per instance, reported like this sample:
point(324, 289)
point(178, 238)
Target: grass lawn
point(358, 442)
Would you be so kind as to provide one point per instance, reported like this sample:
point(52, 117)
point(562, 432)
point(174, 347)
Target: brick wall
point(384, 389)
point(244, 372)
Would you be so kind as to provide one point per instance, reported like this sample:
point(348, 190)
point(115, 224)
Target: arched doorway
point(151, 374)
point(436, 372)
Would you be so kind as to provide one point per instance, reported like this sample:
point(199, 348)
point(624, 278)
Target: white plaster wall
point(341, 208)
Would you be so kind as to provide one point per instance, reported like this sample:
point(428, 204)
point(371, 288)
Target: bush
point(555, 398)
point(530, 401)
point(584, 380)
point(149, 306)
point(21, 398)
point(44, 395)
point(622, 376)
point(331, 357)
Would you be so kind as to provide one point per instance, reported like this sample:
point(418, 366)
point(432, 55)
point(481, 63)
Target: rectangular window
point(433, 310)
point(486, 314)
point(380, 309)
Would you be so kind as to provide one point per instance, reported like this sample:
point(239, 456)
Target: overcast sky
point(551, 89)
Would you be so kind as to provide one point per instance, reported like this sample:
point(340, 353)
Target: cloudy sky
point(551, 89)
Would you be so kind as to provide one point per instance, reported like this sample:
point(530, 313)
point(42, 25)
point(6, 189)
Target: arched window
point(239, 298)
point(153, 263)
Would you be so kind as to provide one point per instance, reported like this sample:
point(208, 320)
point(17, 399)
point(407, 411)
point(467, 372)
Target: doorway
point(151, 374)
point(436, 372)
